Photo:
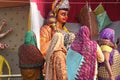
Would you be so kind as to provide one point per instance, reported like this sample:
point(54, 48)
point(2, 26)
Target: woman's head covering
point(109, 34)
point(83, 33)
point(82, 38)
point(87, 48)
point(29, 55)
point(30, 38)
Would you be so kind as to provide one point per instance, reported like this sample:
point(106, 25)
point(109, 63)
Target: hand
point(3, 21)
point(2, 46)
point(10, 30)
point(44, 69)
point(6, 45)
point(112, 78)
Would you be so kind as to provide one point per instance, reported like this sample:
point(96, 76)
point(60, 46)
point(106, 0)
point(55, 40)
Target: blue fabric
point(103, 20)
point(74, 61)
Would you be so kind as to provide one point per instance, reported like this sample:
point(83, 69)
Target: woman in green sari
point(31, 60)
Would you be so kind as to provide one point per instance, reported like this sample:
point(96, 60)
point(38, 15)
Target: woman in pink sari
point(82, 57)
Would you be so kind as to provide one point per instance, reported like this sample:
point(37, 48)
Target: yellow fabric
point(2, 61)
point(30, 74)
point(106, 48)
point(100, 56)
point(99, 9)
point(100, 59)
point(29, 21)
point(65, 28)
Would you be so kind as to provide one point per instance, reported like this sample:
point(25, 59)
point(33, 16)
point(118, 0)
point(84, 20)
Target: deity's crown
point(60, 4)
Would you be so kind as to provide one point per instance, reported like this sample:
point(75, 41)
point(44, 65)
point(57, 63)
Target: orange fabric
point(57, 70)
point(30, 74)
point(56, 59)
point(45, 38)
point(46, 34)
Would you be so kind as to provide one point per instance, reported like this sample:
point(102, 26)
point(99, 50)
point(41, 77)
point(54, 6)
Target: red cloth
point(30, 57)
point(112, 8)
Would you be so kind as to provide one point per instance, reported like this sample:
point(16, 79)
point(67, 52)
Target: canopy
point(111, 6)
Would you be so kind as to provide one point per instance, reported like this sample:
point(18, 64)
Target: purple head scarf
point(108, 33)
point(87, 48)
point(82, 41)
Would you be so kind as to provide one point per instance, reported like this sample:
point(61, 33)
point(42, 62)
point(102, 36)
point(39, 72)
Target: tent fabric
point(87, 17)
point(111, 6)
point(102, 17)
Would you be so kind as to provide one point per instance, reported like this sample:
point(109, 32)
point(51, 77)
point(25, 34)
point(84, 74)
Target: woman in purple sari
point(110, 68)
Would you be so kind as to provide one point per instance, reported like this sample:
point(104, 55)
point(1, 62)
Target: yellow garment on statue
point(106, 48)
point(2, 61)
point(65, 28)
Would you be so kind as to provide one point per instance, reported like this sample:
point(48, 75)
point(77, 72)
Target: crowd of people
point(64, 55)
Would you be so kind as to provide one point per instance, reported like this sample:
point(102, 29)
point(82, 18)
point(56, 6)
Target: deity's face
point(62, 16)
